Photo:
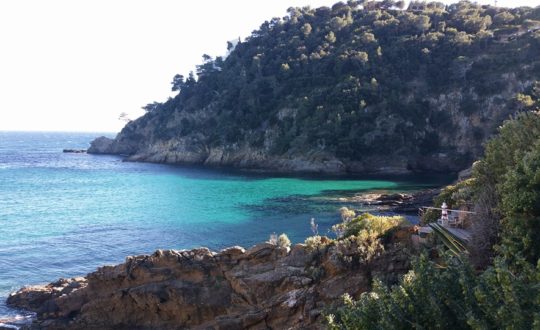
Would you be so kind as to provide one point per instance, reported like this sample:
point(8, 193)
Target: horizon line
point(52, 131)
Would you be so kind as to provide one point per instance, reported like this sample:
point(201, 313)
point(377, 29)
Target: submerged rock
point(265, 287)
point(74, 151)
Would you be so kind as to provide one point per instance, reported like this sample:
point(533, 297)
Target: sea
point(65, 214)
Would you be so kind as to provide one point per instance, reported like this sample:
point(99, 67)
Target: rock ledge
point(264, 287)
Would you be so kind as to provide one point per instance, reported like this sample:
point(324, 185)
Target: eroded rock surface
point(264, 287)
point(101, 145)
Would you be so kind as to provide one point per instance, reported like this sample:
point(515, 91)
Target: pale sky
point(75, 65)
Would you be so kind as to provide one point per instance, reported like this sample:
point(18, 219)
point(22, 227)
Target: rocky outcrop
point(185, 151)
point(74, 151)
point(456, 143)
point(394, 202)
point(101, 145)
point(265, 287)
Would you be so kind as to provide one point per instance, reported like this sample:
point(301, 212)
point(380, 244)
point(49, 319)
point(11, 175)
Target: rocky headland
point(265, 287)
point(188, 152)
point(347, 89)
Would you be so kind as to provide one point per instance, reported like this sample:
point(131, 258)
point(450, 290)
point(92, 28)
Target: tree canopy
point(360, 78)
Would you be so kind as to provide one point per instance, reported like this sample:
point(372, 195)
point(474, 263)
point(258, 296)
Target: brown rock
point(265, 287)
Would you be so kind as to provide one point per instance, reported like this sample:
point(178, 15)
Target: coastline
point(265, 286)
point(58, 304)
point(259, 160)
point(76, 170)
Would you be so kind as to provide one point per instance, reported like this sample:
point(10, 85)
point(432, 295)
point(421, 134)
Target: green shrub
point(511, 167)
point(371, 225)
point(283, 241)
point(365, 234)
point(317, 242)
point(447, 297)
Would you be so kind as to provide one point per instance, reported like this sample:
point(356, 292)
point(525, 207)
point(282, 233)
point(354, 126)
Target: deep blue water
point(63, 215)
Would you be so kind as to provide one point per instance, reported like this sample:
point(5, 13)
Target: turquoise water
point(63, 215)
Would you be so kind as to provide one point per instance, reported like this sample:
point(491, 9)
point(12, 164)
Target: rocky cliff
point(264, 287)
point(458, 143)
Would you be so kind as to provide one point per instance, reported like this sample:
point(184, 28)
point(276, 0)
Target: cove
point(66, 214)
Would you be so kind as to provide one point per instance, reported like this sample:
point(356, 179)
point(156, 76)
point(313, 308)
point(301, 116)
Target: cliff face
point(265, 287)
point(348, 89)
point(459, 141)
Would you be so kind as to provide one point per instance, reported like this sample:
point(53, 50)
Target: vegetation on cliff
point(500, 286)
point(354, 81)
point(366, 233)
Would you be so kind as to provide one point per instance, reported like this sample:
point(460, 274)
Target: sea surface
point(63, 215)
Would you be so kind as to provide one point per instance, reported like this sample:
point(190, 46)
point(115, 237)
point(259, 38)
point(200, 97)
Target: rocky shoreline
point(264, 287)
point(400, 203)
point(244, 157)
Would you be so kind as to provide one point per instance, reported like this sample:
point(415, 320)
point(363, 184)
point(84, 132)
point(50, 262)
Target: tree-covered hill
point(357, 87)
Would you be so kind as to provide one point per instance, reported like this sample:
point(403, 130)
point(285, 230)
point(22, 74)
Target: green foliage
point(530, 101)
point(357, 80)
point(330, 37)
point(177, 83)
point(448, 293)
point(508, 299)
point(346, 214)
point(152, 107)
point(368, 244)
point(525, 100)
point(283, 241)
point(306, 29)
point(365, 234)
point(372, 225)
point(317, 242)
point(511, 166)
point(503, 18)
point(452, 296)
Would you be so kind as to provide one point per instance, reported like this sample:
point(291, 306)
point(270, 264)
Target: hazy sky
point(75, 65)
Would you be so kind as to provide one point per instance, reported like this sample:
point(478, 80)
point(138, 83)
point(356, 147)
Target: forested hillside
point(356, 87)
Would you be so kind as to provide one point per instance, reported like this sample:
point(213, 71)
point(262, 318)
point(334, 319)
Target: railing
point(448, 216)
point(443, 209)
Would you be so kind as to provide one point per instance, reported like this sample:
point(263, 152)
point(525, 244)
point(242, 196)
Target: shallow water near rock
point(64, 214)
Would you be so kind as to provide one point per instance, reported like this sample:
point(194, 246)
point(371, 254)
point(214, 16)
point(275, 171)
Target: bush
point(364, 234)
point(283, 241)
point(511, 168)
point(371, 225)
point(317, 242)
point(448, 296)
